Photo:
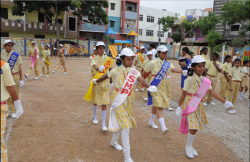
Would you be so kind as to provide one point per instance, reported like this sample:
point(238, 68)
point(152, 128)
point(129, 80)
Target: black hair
point(98, 47)
point(235, 61)
point(203, 49)
point(123, 44)
point(118, 62)
point(185, 49)
point(245, 62)
point(216, 55)
point(122, 57)
point(226, 57)
point(191, 71)
point(152, 45)
point(190, 52)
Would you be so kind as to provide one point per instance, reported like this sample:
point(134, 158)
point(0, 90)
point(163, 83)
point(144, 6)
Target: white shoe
point(205, 104)
point(240, 98)
point(142, 89)
point(41, 75)
point(27, 76)
point(129, 160)
point(117, 146)
point(145, 99)
point(165, 131)
point(95, 121)
point(230, 111)
point(36, 78)
point(136, 90)
point(104, 128)
point(212, 103)
point(189, 153)
point(244, 98)
point(234, 111)
point(47, 76)
point(13, 116)
point(53, 71)
point(65, 72)
point(194, 152)
point(153, 125)
point(170, 109)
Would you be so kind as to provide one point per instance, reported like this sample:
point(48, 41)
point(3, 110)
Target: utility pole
point(159, 22)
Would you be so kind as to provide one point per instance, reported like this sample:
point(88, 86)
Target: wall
point(117, 11)
point(15, 34)
point(31, 16)
point(10, 16)
point(117, 23)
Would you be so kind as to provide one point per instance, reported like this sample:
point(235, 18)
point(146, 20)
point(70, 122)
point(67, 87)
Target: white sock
point(190, 140)
point(162, 123)
point(103, 117)
point(152, 118)
point(240, 93)
point(94, 111)
point(243, 93)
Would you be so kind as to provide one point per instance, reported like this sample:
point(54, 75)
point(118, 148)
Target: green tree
point(184, 28)
point(207, 23)
point(92, 9)
point(212, 38)
point(43, 6)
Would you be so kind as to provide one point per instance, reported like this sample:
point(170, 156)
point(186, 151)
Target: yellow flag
point(140, 57)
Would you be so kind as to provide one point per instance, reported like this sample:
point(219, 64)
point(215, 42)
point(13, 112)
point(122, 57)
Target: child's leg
point(161, 119)
point(114, 141)
point(190, 151)
point(153, 115)
point(244, 92)
point(125, 144)
point(103, 115)
point(94, 111)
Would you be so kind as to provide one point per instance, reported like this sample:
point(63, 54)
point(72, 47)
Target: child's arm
point(215, 95)
point(20, 72)
point(104, 77)
point(143, 82)
point(96, 67)
point(230, 83)
point(175, 70)
point(143, 73)
point(182, 98)
point(226, 76)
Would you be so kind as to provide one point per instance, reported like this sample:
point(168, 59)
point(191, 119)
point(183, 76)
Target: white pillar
point(24, 20)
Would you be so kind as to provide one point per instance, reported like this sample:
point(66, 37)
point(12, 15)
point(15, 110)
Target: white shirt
point(154, 53)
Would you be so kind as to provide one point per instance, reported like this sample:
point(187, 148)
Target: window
point(40, 17)
point(160, 34)
point(40, 36)
point(150, 19)
point(235, 27)
point(4, 34)
point(60, 21)
point(4, 13)
point(129, 8)
point(72, 24)
point(140, 17)
point(112, 24)
point(140, 31)
point(149, 33)
point(112, 6)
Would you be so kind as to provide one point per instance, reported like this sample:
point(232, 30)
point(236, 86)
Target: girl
point(159, 100)
point(124, 112)
point(245, 70)
point(224, 79)
point(235, 75)
point(185, 65)
point(197, 118)
point(149, 75)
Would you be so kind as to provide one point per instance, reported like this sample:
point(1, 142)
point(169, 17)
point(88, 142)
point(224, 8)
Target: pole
point(222, 57)
point(159, 32)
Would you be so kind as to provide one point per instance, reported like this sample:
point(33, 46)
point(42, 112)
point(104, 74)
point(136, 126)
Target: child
point(224, 78)
point(34, 60)
point(61, 60)
point(235, 75)
point(213, 69)
point(100, 92)
point(139, 59)
point(148, 76)
point(93, 71)
point(46, 60)
point(14, 59)
point(122, 113)
point(159, 99)
point(196, 116)
point(244, 84)
point(184, 65)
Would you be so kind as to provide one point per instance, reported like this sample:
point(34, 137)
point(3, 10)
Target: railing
point(93, 27)
point(127, 30)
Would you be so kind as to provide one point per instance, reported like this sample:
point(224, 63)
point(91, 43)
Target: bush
point(238, 42)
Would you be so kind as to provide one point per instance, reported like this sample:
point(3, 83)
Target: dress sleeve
point(187, 84)
point(231, 72)
point(149, 67)
point(93, 62)
point(20, 61)
point(112, 73)
point(7, 76)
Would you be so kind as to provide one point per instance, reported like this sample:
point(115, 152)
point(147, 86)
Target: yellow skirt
point(124, 113)
point(160, 98)
point(197, 119)
point(100, 93)
point(223, 86)
point(244, 81)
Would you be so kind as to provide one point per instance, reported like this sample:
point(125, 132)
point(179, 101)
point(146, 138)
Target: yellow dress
point(223, 80)
point(245, 77)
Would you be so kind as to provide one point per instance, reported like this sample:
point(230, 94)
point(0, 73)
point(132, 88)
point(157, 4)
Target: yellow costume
point(206, 58)
point(46, 56)
point(244, 83)
point(31, 52)
point(223, 80)
point(139, 67)
point(61, 61)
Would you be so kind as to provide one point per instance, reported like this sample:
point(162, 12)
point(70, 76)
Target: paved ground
point(57, 126)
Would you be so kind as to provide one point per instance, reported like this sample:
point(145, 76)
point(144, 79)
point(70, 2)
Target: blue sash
point(161, 74)
point(183, 78)
point(12, 60)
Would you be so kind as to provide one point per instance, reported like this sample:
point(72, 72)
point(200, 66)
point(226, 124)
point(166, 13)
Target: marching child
point(34, 60)
point(61, 60)
point(121, 113)
point(148, 76)
point(139, 59)
point(46, 60)
point(159, 68)
point(224, 78)
point(244, 79)
point(194, 116)
point(213, 69)
point(93, 71)
point(14, 59)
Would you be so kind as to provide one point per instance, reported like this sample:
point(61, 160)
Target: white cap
point(142, 47)
point(127, 52)
point(100, 44)
point(94, 49)
point(162, 48)
point(47, 45)
point(149, 53)
point(61, 45)
point(8, 41)
point(118, 56)
point(198, 59)
point(33, 42)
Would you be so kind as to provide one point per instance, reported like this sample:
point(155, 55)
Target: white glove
point(111, 85)
point(184, 72)
point(168, 77)
point(228, 105)
point(19, 108)
point(152, 89)
point(37, 56)
point(43, 59)
point(136, 82)
point(101, 68)
point(94, 81)
point(21, 83)
point(178, 111)
point(134, 67)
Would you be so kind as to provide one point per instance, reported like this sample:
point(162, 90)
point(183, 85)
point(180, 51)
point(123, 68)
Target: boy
point(244, 79)
point(15, 61)
point(46, 60)
point(61, 60)
point(34, 60)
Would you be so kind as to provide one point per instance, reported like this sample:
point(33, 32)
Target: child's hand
point(230, 88)
point(227, 80)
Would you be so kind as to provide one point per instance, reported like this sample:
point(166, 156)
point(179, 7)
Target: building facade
point(197, 13)
point(149, 31)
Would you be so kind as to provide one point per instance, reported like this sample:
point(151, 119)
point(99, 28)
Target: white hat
point(8, 41)
point(33, 42)
point(118, 56)
point(47, 45)
point(100, 44)
point(162, 48)
point(198, 59)
point(94, 49)
point(149, 53)
point(142, 47)
point(61, 45)
point(127, 52)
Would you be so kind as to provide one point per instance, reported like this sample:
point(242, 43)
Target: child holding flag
point(121, 112)
point(194, 116)
point(34, 60)
point(46, 60)
point(148, 76)
point(224, 78)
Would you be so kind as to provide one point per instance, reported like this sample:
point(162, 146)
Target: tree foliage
point(207, 23)
point(219, 48)
point(168, 22)
point(213, 37)
point(176, 37)
point(238, 42)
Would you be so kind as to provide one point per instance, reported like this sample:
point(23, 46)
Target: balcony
point(127, 30)
point(92, 27)
point(8, 24)
point(130, 15)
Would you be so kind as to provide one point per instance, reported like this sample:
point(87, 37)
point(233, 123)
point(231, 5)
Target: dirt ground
point(57, 125)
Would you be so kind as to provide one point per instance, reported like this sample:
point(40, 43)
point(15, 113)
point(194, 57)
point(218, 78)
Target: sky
point(177, 6)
